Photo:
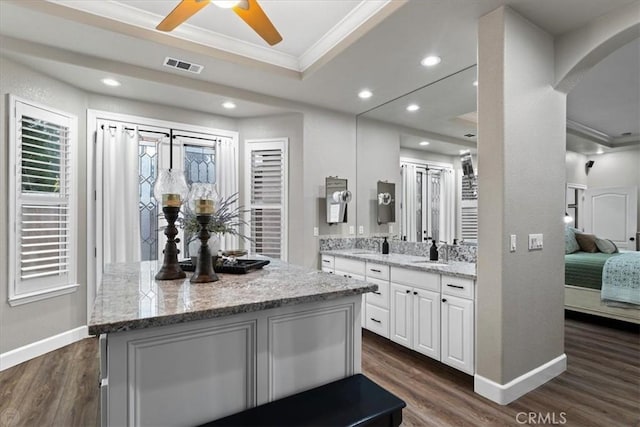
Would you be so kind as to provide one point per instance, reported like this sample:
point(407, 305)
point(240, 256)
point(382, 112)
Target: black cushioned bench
point(352, 401)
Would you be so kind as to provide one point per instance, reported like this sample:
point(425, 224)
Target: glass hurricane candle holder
point(171, 191)
point(203, 199)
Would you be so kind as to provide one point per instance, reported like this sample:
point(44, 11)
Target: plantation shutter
point(469, 210)
point(267, 197)
point(43, 238)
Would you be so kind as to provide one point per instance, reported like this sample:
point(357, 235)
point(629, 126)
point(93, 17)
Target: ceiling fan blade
point(255, 17)
point(183, 11)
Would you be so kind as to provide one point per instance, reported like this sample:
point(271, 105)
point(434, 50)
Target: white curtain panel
point(408, 208)
point(227, 180)
point(447, 205)
point(121, 218)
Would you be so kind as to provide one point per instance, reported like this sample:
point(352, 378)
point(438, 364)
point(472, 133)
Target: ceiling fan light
point(226, 4)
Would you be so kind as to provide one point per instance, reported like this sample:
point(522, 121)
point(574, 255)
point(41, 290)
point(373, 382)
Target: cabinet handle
point(455, 286)
point(415, 293)
point(377, 293)
point(408, 291)
point(376, 320)
point(326, 261)
point(377, 271)
point(444, 300)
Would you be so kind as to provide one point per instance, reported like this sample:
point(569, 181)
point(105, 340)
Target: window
point(42, 213)
point(266, 182)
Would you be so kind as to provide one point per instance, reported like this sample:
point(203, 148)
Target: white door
point(426, 323)
point(457, 333)
point(401, 314)
point(612, 213)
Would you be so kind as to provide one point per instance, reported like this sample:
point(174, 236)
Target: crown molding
point(129, 20)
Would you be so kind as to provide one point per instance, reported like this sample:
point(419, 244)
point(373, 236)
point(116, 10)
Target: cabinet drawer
point(381, 296)
point(457, 287)
point(327, 262)
point(349, 265)
point(420, 279)
point(377, 271)
point(348, 275)
point(378, 320)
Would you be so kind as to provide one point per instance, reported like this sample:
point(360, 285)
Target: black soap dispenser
point(385, 247)
point(433, 251)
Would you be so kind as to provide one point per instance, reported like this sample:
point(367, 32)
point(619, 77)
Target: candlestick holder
point(204, 272)
point(170, 269)
point(171, 189)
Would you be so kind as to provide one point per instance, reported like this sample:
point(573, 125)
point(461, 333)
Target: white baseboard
point(504, 394)
point(29, 351)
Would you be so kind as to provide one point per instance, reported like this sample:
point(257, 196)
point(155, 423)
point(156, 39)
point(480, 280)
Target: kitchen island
point(176, 353)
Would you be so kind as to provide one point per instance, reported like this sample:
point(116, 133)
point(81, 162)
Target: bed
point(583, 284)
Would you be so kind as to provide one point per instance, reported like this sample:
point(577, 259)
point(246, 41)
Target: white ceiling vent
point(182, 65)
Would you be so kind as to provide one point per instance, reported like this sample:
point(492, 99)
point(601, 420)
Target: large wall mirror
point(416, 142)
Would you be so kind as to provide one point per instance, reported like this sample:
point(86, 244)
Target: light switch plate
point(361, 229)
point(352, 229)
point(390, 228)
point(316, 232)
point(535, 242)
point(512, 246)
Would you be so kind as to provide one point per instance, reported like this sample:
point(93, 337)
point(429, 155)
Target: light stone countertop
point(452, 268)
point(130, 297)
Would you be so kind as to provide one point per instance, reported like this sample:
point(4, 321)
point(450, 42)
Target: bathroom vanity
point(176, 353)
point(426, 306)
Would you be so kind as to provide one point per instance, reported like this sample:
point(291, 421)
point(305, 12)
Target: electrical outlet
point(390, 228)
point(535, 242)
point(513, 243)
point(316, 232)
point(352, 229)
point(361, 229)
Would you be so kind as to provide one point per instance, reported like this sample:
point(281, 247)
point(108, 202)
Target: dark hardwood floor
point(601, 386)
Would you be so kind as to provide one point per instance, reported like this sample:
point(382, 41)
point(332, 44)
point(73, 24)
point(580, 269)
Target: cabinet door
point(426, 322)
point(457, 333)
point(401, 314)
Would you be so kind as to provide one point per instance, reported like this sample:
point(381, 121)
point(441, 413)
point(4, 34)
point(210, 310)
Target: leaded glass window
point(147, 166)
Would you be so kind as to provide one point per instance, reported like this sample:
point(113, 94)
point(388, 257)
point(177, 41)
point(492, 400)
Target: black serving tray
point(242, 266)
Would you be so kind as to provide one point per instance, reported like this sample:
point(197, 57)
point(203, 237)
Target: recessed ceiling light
point(413, 107)
point(600, 151)
point(229, 105)
point(365, 94)
point(475, 83)
point(226, 4)
point(424, 142)
point(111, 82)
point(430, 61)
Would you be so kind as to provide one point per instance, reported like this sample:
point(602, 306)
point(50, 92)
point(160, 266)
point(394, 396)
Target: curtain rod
point(198, 137)
point(139, 130)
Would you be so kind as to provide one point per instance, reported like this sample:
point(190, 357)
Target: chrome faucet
point(446, 251)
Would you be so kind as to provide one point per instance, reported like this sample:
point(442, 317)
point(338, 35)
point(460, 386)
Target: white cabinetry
point(458, 330)
point(430, 313)
point(415, 311)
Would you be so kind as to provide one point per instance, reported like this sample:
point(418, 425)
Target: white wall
point(28, 323)
point(575, 171)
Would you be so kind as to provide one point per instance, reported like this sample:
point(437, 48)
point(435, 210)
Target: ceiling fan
point(248, 10)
